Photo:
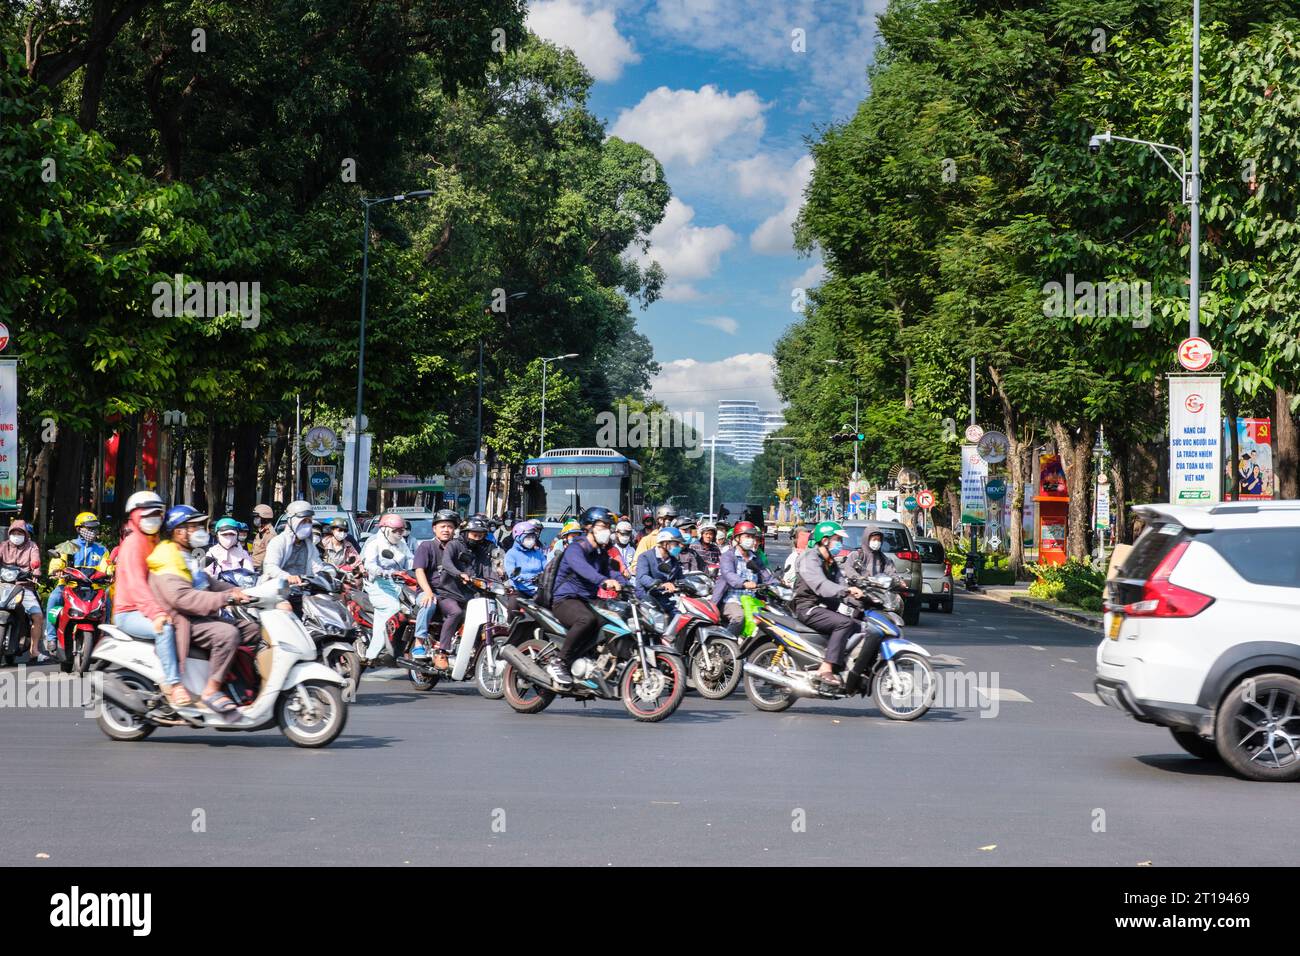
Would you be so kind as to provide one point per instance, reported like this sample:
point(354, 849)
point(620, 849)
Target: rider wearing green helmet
point(819, 589)
point(226, 553)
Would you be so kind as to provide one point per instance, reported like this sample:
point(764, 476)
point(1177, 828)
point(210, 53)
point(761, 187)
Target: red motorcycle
point(694, 628)
point(85, 607)
point(399, 633)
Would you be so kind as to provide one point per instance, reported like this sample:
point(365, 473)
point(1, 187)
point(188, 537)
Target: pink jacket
point(28, 555)
point(132, 591)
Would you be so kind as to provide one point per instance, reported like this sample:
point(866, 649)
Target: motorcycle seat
point(792, 623)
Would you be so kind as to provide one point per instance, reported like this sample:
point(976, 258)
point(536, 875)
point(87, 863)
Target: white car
point(1202, 633)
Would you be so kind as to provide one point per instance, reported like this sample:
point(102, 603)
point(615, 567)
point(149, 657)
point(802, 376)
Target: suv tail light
point(947, 569)
point(1160, 598)
point(907, 556)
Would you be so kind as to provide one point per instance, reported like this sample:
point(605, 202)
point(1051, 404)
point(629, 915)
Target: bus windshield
point(569, 496)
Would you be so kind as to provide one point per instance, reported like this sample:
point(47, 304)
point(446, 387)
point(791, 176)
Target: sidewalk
point(1019, 596)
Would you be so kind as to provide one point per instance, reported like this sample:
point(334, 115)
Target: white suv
point(1202, 633)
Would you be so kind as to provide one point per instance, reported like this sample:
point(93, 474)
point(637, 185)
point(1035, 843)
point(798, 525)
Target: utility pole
point(713, 461)
point(1194, 177)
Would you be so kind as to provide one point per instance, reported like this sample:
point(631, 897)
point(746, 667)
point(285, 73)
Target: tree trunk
point(1118, 492)
point(1286, 445)
point(1076, 460)
point(954, 510)
point(66, 498)
point(198, 477)
point(1019, 447)
point(246, 445)
point(126, 442)
point(274, 455)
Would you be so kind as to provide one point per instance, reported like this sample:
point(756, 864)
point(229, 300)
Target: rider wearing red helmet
point(740, 569)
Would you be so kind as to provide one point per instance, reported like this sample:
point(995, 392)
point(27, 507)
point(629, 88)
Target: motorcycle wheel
point(914, 693)
point(120, 724)
point(652, 696)
point(521, 694)
point(720, 680)
point(765, 696)
point(72, 660)
point(316, 729)
point(489, 684)
point(348, 666)
point(422, 681)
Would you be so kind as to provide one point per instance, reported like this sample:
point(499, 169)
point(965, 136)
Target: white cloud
point(722, 323)
point(689, 125)
point(590, 33)
point(688, 385)
point(761, 175)
point(814, 275)
point(685, 251)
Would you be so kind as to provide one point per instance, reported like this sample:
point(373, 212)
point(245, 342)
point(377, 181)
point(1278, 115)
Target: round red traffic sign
point(925, 498)
point(1195, 354)
point(4, 336)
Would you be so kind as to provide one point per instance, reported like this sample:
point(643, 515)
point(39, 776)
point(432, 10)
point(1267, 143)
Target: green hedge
point(1076, 582)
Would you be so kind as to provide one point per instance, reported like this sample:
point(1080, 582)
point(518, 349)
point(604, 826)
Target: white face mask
point(315, 537)
point(339, 534)
point(200, 538)
point(227, 539)
point(747, 542)
point(602, 535)
point(17, 540)
point(624, 537)
point(873, 545)
point(151, 525)
point(392, 536)
point(303, 531)
point(530, 541)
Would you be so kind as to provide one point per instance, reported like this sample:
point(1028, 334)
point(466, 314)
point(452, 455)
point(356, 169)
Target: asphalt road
point(1032, 771)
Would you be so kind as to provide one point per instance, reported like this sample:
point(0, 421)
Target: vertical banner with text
point(8, 434)
point(1195, 439)
point(974, 472)
point(355, 500)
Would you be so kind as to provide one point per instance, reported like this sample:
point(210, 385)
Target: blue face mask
point(835, 547)
point(675, 550)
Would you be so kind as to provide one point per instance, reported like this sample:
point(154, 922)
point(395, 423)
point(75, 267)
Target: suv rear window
point(894, 539)
point(1269, 556)
point(1151, 548)
point(931, 552)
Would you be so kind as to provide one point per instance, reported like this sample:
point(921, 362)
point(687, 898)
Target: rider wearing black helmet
point(665, 515)
point(428, 574)
point(585, 568)
point(467, 556)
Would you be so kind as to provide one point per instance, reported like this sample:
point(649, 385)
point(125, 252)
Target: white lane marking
point(1036, 647)
point(1090, 698)
point(987, 628)
point(1003, 694)
point(1069, 660)
point(946, 660)
point(385, 673)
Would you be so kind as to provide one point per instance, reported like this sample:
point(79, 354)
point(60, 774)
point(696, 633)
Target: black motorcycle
point(15, 625)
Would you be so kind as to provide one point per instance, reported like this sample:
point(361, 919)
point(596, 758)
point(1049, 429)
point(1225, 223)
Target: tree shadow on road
point(243, 739)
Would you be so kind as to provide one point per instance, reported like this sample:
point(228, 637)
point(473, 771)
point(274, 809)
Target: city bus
point(564, 481)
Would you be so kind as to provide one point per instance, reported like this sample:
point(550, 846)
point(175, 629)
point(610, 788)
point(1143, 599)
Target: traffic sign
point(992, 447)
point(4, 336)
point(974, 433)
point(926, 498)
point(910, 503)
point(996, 489)
point(1195, 354)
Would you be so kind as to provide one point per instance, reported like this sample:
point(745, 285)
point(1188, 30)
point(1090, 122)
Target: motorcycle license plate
point(1115, 621)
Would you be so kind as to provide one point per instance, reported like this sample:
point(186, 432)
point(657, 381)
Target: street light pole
point(1194, 185)
point(542, 440)
point(713, 461)
point(361, 339)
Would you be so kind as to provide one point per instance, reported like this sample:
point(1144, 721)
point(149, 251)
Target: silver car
point(936, 575)
point(901, 549)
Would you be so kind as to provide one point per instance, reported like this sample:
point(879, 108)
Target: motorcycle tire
point(348, 666)
point(334, 714)
point(761, 694)
point(886, 703)
point(120, 724)
point(719, 681)
point(669, 672)
point(523, 696)
point(489, 685)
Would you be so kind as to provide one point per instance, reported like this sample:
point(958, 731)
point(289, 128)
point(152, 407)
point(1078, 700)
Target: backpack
point(546, 581)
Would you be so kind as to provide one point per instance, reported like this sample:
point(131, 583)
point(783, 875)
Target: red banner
point(149, 449)
point(110, 468)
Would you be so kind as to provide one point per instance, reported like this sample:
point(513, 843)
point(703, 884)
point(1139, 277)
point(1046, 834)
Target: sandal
point(219, 703)
point(830, 680)
point(440, 661)
point(178, 696)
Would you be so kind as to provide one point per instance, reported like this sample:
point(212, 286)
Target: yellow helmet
point(86, 518)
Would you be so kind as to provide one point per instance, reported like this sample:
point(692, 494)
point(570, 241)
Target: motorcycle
point(782, 657)
point(287, 686)
point(399, 632)
point(628, 663)
point(85, 606)
point(15, 625)
point(695, 630)
point(476, 650)
point(324, 617)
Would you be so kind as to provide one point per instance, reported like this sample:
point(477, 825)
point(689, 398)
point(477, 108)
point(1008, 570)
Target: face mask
point(257, 522)
point(835, 547)
point(675, 550)
point(88, 535)
point(688, 538)
point(315, 537)
point(303, 531)
point(17, 540)
point(602, 536)
point(151, 525)
point(530, 541)
point(624, 537)
point(242, 537)
point(392, 536)
point(200, 538)
point(747, 542)
point(873, 545)
point(339, 535)
point(226, 538)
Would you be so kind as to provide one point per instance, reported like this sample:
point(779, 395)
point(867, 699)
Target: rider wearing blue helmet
point(585, 568)
point(662, 566)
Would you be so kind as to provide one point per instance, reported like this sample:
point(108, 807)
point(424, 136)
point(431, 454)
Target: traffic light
point(841, 437)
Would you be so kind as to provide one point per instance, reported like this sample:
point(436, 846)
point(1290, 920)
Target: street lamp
point(541, 449)
point(361, 337)
point(478, 443)
point(1188, 174)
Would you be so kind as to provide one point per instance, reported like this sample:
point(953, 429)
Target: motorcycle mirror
point(386, 553)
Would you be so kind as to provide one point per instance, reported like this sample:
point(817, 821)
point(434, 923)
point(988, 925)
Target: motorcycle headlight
point(9, 575)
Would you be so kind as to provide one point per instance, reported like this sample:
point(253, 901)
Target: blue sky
point(720, 94)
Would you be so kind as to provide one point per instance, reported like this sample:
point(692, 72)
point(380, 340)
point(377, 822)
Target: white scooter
point(304, 697)
point(475, 655)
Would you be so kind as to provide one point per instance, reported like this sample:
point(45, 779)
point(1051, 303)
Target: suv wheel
point(912, 612)
point(1195, 744)
point(1257, 729)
